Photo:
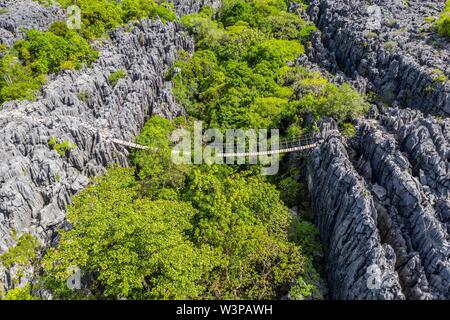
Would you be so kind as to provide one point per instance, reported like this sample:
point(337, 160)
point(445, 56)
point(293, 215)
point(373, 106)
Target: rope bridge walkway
point(297, 144)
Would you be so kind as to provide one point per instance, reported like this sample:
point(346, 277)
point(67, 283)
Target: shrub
point(390, 46)
point(348, 130)
point(61, 148)
point(17, 81)
point(443, 22)
point(114, 77)
point(46, 52)
point(20, 294)
point(84, 96)
point(22, 257)
point(22, 254)
point(371, 35)
point(439, 75)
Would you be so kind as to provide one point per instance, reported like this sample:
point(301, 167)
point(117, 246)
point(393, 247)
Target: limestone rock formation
point(19, 15)
point(396, 171)
point(359, 265)
point(390, 43)
point(386, 194)
point(188, 6)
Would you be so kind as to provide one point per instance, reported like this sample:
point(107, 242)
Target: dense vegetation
point(23, 68)
point(239, 76)
point(166, 231)
point(162, 231)
point(19, 259)
point(100, 16)
point(443, 22)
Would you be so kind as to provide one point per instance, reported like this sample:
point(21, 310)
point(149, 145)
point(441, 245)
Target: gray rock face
point(389, 43)
point(426, 142)
point(401, 160)
point(184, 7)
point(82, 107)
point(16, 15)
point(388, 189)
point(359, 265)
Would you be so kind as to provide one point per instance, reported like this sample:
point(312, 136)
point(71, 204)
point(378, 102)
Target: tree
point(236, 11)
point(344, 103)
point(277, 52)
point(133, 247)
point(243, 218)
point(21, 259)
point(17, 81)
point(200, 83)
point(223, 234)
point(19, 293)
point(160, 177)
point(23, 254)
point(266, 112)
point(321, 98)
point(47, 52)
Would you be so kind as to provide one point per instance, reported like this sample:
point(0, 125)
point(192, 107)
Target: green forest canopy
point(233, 232)
point(240, 77)
point(193, 233)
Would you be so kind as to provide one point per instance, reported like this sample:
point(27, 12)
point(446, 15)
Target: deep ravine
point(388, 188)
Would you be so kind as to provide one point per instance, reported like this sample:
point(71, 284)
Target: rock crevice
point(395, 172)
point(392, 44)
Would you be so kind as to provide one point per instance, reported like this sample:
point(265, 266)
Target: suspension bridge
point(297, 144)
point(301, 143)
